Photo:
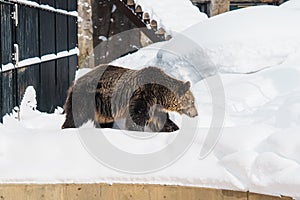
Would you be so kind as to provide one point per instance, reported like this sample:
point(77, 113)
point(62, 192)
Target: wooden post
point(219, 6)
point(85, 34)
point(108, 24)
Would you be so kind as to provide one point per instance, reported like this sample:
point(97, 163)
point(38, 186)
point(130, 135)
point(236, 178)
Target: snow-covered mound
point(173, 16)
point(241, 41)
point(258, 149)
point(248, 40)
point(291, 4)
point(259, 146)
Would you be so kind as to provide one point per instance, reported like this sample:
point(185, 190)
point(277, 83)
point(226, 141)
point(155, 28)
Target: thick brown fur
point(141, 97)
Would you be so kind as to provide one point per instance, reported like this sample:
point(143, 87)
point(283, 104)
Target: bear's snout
point(192, 112)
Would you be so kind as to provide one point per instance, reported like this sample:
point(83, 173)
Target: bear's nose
point(193, 113)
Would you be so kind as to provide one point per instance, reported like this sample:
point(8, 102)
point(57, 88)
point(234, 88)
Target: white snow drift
point(259, 146)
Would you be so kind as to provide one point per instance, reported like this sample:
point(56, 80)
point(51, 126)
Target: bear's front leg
point(134, 123)
point(160, 122)
point(137, 115)
point(169, 126)
point(157, 120)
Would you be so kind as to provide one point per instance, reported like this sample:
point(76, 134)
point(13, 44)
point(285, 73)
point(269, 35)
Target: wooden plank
point(72, 32)
point(28, 32)
point(6, 38)
point(233, 195)
point(132, 191)
point(123, 192)
point(8, 92)
point(47, 87)
point(73, 63)
point(255, 196)
point(13, 192)
point(47, 32)
point(48, 2)
point(62, 83)
point(82, 192)
point(61, 32)
point(137, 21)
point(61, 4)
point(27, 76)
point(44, 192)
point(72, 5)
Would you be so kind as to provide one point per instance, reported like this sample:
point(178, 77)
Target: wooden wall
point(122, 192)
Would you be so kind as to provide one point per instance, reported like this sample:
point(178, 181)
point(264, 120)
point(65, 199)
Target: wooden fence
point(123, 192)
point(38, 47)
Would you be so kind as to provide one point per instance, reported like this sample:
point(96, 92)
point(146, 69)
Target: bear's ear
point(184, 88)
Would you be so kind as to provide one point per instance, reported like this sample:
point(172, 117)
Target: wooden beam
point(122, 191)
point(136, 20)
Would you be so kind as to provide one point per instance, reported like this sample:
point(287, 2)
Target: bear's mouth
point(190, 112)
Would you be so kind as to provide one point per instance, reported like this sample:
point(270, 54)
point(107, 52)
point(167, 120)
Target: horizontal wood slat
point(123, 191)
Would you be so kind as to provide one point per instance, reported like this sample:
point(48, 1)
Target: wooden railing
point(142, 20)
point(123, 192)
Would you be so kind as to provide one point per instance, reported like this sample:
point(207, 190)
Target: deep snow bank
point(241, 41)
point(259, 146)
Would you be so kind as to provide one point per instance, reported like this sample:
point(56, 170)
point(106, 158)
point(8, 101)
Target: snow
point(166, 14)
point(7, 67)
point(241, 41)
point(291, 4)
point(48, 8)
point(258, 149)
point(44, 58)
point(48, 57)
point(29, 61)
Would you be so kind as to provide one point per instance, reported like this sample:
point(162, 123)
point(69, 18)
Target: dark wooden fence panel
point(72, 37)
point(6, 32)
point(6, 45)
point(61, 70)
point(28, 76)
point(48, 2)
point(8, 94)
point(72, 5)
point(47, 86)
point(28, 32)
point(46, 39)
point(61, 33)
point(47, 32)
point(62, 4)
point(72, 68)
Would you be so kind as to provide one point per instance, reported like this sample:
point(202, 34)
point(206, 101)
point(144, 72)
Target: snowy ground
point(260, 142)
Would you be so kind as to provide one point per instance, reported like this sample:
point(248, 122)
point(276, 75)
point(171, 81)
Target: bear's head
point(187, 100)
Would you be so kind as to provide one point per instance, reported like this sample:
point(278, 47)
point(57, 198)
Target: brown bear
point(142, 98)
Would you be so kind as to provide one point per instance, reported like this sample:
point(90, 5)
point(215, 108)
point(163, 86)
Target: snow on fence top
point(37, 60)
point(47, 7)
point(173, 16)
